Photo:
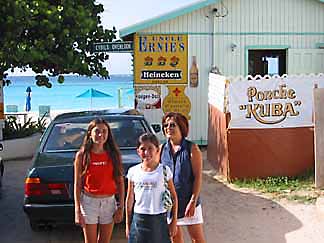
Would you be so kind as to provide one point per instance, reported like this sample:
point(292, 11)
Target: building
point(235, 38)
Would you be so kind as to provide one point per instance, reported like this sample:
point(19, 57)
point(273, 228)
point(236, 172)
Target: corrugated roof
point(164, 17)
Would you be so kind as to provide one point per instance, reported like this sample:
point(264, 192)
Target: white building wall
point(262, 24)
point(257, 24)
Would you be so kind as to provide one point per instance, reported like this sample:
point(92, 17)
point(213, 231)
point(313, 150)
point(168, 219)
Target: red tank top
point(98, 178)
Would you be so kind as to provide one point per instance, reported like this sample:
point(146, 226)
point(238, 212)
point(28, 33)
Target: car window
point(69, 136)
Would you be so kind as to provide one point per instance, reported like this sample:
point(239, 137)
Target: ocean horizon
point(64, 96)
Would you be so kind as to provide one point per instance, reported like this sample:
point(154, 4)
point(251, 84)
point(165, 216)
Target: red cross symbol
point(176, 91)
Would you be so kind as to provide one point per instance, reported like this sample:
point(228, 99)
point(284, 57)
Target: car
point(48, 196)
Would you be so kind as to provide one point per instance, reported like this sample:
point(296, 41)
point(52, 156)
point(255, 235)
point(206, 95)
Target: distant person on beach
point(146, 185)
point(28, 99)
point(98, 177)
point(185, 160)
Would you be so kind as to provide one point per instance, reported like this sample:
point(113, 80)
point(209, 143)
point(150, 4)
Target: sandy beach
point(242, 216)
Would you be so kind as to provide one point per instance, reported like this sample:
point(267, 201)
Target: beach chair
point(44, 110)
point(11, 108)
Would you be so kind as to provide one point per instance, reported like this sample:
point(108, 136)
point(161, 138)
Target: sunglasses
point(171, 125)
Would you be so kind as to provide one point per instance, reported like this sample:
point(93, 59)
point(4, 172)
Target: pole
point(120, 98)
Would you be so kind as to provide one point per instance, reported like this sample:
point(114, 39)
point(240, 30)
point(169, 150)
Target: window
point(267, 62)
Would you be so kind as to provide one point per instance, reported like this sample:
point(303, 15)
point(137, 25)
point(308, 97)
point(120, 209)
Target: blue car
point(49, 182)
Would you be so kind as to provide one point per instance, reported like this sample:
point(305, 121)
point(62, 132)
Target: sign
point(272, 103)
point(147, 97)
point(161, 59)
point(177, 101)
point(119, 47)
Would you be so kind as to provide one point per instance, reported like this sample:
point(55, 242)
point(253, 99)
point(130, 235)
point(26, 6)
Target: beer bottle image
point(193, 73)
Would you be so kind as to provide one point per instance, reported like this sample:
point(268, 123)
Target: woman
point(146, 184)
point(185, 160)
point(97, 179)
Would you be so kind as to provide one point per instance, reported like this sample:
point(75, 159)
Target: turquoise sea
point(64, 96)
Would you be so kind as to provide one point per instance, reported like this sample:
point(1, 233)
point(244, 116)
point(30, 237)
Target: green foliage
point(300, 188)
point(14, 129)
point(52, 36)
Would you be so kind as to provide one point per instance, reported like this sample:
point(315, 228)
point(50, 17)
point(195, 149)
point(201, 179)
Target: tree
point(55, 36)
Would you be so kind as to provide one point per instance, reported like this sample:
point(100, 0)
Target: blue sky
point(123, 13)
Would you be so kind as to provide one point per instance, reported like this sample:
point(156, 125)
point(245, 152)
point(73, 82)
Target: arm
point(129, 206)
point(77, 188)
point(118, 216)
point(196, 163)
point(173, 224)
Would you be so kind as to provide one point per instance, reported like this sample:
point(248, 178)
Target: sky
point(123, 13)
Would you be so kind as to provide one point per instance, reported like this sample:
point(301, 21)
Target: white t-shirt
point(148, 189)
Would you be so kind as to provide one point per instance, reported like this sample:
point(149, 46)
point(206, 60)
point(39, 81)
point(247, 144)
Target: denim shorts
point(149, 229)
point(97, 210)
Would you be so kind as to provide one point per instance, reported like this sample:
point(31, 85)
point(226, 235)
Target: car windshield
point(69, 136)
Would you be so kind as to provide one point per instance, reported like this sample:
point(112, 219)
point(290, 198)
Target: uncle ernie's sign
point(270, 103)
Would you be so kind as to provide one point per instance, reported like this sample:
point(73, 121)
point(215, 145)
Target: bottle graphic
point(193, 73)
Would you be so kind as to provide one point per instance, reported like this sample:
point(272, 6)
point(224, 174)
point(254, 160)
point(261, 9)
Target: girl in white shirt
point(148, 224)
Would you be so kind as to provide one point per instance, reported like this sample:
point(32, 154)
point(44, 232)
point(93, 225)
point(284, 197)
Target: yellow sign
point(177, 101)
point(161, 59)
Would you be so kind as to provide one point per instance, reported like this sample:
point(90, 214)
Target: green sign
point(122, 46)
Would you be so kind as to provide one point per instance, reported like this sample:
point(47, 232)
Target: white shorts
point(97, 210)
point(196, 219)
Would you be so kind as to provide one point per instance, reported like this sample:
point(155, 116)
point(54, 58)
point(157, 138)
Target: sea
point(64, 96)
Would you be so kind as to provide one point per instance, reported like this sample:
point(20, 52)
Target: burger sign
point(148, 97)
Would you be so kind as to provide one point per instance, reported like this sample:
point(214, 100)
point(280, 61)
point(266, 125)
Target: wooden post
point(319, 136)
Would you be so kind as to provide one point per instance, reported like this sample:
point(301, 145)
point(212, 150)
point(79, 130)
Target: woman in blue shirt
point(185, 161)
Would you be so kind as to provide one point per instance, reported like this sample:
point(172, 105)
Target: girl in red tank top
point(98, 177)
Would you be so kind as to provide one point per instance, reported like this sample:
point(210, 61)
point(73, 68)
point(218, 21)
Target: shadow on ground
point(235, 217)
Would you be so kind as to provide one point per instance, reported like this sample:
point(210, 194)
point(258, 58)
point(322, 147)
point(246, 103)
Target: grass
point(299, 189)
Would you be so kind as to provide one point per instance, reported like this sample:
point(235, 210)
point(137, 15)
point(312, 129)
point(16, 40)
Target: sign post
point(117, 47)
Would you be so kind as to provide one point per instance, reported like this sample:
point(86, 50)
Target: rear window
point(69, 136)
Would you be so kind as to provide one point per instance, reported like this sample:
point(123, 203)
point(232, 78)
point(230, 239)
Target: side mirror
point(156, 127)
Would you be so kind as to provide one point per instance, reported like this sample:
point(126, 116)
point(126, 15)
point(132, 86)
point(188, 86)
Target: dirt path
point(236, 216)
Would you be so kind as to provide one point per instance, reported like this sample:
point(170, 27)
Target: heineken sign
point(119, 47)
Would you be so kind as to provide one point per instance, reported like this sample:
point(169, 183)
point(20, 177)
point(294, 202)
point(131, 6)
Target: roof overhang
point(127, 32)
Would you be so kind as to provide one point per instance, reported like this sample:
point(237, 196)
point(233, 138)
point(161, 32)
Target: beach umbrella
point(93, 93)
point(28, 99)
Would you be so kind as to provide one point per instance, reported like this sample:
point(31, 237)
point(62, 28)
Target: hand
point(79, 219)
point(190, 209)
point(118, 216)
point(173, 228)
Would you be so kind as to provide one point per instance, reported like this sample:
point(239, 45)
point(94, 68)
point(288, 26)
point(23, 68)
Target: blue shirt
point(183, 177)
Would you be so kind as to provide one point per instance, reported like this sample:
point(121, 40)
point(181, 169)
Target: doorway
point(267, 62)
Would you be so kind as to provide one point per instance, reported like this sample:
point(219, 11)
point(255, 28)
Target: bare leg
point(196, 233)
point(178, 238)
point(105, 232)
point(90, 233)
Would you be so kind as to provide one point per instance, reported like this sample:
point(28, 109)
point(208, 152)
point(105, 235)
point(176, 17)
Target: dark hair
point(110, 146)
point(148, 137)
point(181, 121)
